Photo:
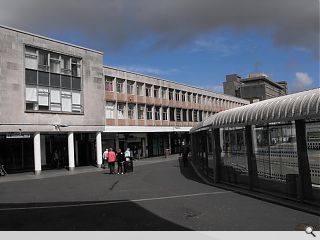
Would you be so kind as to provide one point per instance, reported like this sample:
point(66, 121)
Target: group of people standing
point(111, 158)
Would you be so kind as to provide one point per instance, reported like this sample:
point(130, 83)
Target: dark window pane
point(29, 106)
point(65, 82)
point(54, 80)
point(44, 108)
point(76, 83)
point(172, 114)
point(43, 78)
point(31, 76)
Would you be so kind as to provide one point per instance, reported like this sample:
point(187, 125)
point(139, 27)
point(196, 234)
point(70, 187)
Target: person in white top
point(127, 154)
point(105, 158)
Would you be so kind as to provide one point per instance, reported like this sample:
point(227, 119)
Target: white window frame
point(121, 107)
point(109, 110)
point(149, 113)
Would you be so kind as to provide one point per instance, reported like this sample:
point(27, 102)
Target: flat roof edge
point(183, 84)
point(50, 39)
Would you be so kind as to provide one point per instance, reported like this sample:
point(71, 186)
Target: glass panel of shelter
point(234, 164)
point(276, 156)
point(313, 148)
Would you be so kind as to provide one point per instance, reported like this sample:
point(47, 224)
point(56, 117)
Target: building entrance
point(85, 150)
point(16, 153)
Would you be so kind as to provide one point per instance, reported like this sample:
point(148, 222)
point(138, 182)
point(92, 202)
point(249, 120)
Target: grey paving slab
point(158, 196)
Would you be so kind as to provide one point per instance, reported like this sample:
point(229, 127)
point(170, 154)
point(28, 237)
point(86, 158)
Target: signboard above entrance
point(17, 135)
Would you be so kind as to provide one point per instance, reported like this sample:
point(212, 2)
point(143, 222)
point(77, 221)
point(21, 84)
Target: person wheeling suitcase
point(120, 161)
point(128, 161)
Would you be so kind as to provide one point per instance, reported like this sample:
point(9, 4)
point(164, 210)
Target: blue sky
point(192, 42)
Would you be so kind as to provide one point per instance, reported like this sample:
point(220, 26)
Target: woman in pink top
point(111, 160)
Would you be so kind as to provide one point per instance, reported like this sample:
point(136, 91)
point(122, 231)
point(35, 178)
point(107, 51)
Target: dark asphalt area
point(158, 196)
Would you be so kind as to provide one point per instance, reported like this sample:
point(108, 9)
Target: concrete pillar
point(37, 153)
point(71, 151)
point(99, 149)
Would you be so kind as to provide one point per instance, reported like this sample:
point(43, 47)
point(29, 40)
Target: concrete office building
point(256, 87)
point(151, 114)
point(51, 100)
point(59, 106)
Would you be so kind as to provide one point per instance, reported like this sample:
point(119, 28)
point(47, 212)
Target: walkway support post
point(305, 184)
point(251, 158)
point(218, 150)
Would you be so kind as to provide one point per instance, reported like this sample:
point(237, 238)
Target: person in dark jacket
point(120, 161)
point(185, 152)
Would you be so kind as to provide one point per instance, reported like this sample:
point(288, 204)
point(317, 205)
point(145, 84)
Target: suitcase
point(129, 166)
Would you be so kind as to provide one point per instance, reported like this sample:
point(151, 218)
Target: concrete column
point(37, 153)
point(71, 151)
point(99, 149)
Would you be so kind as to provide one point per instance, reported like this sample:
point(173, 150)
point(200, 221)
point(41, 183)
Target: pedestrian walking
point(111, 160)
point(127, 155)
point(120, 161)
point(185, 152)
point(128, 166)
point(139, 152)
point(135, 152)
point(56, 159)
point(105, 158)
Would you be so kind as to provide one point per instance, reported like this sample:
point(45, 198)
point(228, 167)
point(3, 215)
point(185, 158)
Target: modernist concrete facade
point(256, 87)
point(59, 106)
point(19, 64)
point(138, 106)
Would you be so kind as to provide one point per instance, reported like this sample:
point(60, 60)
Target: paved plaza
point(159, 195)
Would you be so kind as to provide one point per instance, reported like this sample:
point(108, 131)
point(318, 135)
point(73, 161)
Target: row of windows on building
point(143, 89)
point(47, 61)
point(53, 81)
point(149, 112)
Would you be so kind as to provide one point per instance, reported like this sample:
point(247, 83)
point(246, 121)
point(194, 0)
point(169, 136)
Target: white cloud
point(149, 70)
point(217, 45)
point(302, 82)
point(214, 88)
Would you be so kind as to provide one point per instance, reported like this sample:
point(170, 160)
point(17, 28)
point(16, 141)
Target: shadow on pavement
point(118, 215)
point(188, 172)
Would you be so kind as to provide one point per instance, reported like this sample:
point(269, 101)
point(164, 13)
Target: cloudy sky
point(196, 42)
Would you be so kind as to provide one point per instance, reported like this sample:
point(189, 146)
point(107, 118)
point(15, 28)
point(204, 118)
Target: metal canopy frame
point(302, 105)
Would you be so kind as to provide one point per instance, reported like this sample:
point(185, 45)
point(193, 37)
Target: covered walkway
point(272, 146)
